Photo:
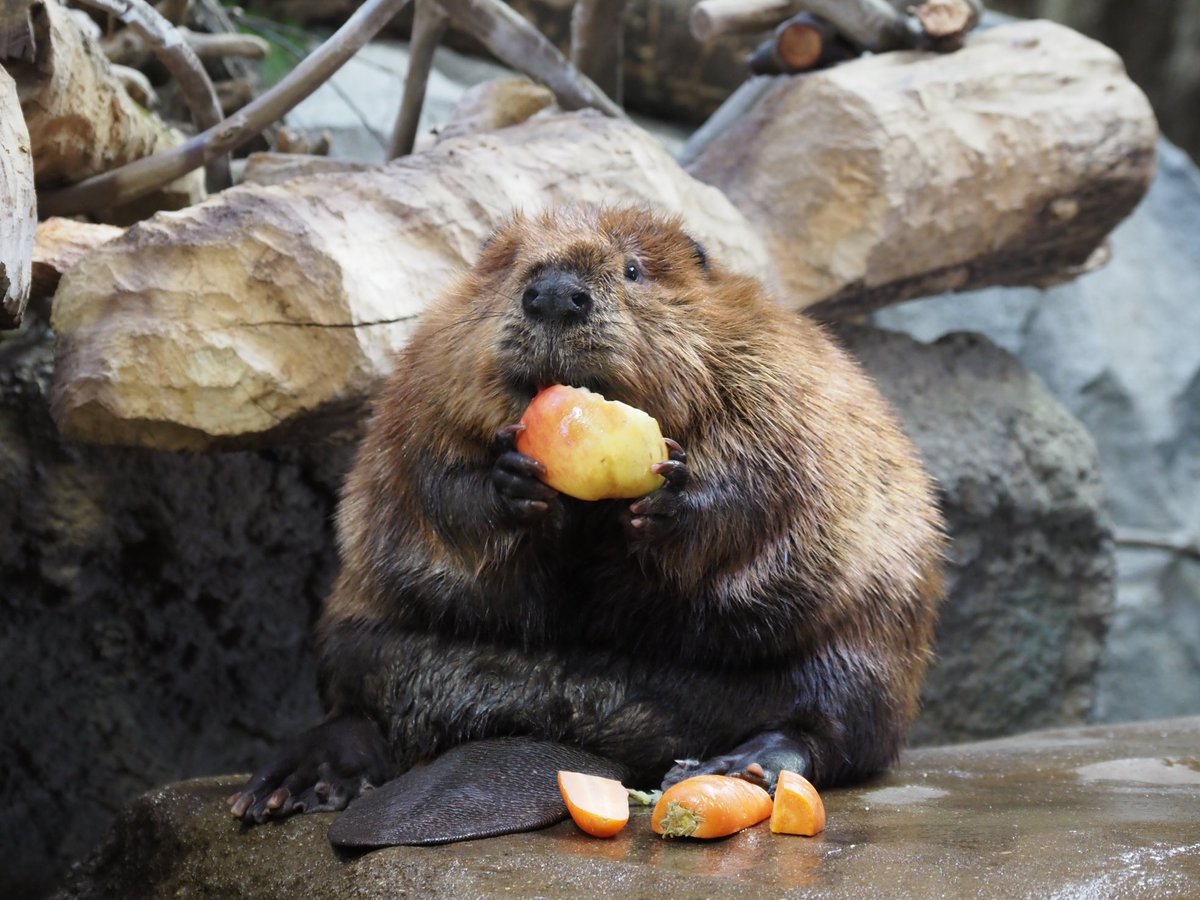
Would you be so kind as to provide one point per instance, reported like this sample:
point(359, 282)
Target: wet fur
point(797, 593)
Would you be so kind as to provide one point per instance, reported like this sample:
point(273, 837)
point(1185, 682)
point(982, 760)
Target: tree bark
point(598, 45)
point(19, 203)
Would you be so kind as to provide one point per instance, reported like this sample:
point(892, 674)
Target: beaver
point(771, 606)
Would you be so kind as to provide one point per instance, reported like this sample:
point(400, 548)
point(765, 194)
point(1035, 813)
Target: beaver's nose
point(557, 297)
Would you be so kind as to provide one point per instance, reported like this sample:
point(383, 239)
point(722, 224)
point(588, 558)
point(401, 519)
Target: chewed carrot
point(599, 806)
point(710, 806)
point(798, 807)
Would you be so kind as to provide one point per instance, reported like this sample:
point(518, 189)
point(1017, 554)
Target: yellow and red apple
point(592, 448)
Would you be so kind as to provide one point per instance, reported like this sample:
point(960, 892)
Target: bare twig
point(429, 25)
point(597, 45)
point(1178, 544)
point(143, 176)
point(180, 60)
point(516, 43)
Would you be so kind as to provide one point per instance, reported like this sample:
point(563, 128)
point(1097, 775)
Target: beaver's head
point(609, 299)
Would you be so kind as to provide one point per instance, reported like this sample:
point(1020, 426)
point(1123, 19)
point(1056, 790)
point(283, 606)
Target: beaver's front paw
point(658, 514)
point(759, 760)
point(319, 771)
point(523, 497)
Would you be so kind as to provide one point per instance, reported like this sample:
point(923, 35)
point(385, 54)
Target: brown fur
point(797, 593)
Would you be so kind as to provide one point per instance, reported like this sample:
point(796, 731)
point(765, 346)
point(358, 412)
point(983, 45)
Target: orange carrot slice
point(709, 806)
point(599, 806)
point(798, 807)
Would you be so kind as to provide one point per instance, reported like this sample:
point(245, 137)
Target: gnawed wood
point(492, 105)
point(61, 243)
point(81, 120)
point(19, 205)
point(905, 174)
point(269, 312)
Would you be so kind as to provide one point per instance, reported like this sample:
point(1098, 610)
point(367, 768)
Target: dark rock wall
point(154, 616)
point(1031, 562)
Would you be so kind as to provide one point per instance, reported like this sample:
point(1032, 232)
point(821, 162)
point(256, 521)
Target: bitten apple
point(592, 448)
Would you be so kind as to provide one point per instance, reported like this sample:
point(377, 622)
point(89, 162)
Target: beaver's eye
point(632, 272)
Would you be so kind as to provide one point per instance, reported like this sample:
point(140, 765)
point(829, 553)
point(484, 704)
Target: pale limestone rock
point(273, 308)
point(912, 173)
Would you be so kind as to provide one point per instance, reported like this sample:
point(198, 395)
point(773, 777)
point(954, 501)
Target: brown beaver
point(772, 605)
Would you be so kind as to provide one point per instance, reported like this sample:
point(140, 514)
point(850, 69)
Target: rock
point(157, 612)
point(271, 311)
point(1031, 568)
point(1074, 812)
point(1118, 348)
point(905, 174)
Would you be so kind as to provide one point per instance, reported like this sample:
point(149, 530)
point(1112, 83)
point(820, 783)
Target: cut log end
point(799, 46)
point(941, 19)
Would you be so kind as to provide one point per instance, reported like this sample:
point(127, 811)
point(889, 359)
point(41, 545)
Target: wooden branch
point(222, 46)
point(516, 43)
point(801, 43)
point(19, 203)
point(597, 43)
point(429, 26)
point(1179, 544)
point(143, 176)
point(181, 61)
point(871, 24)
point(137, 85)
point(174, 11)
point(713, 18)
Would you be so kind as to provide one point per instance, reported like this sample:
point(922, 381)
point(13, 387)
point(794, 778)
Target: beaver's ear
point(700, 253)
point(499, 250)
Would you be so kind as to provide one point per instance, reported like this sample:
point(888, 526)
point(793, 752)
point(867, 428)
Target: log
point(871, 24)
point(906, 174)
point(270, 313)
point(801, 43)
point(19, 202)
point(492, 105)
point(598, 45)
point(82, 121)
point(59, 244)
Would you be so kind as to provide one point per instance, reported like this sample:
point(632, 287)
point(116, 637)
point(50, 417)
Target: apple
point(592, 448)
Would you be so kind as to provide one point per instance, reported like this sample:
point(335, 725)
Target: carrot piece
point(798, 807)
point(709, 806)
point(599, 806)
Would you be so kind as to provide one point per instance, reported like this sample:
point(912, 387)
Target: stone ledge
point(1099, 811)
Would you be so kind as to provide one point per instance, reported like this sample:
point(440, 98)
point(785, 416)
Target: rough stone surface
point(159, 604)
point(156, 613)
point(905, 174)
point(1095, 812)
point(1031, 567)
point(1119, 349)
point(273, 309)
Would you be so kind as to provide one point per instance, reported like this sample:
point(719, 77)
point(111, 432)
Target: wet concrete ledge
point(1080, 812)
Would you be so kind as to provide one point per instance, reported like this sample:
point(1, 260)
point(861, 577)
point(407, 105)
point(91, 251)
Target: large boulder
point(1030, 563)
point(1118, 348)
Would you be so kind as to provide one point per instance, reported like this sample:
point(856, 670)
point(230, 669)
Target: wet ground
point(1073, 813)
